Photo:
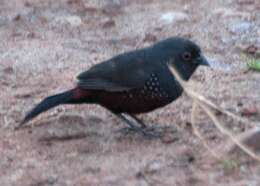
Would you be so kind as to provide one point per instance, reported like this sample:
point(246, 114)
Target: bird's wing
point(121, 73)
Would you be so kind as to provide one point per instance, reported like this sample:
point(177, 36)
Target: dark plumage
point(134, 82)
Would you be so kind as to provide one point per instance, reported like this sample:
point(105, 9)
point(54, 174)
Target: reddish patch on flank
point(78, 93)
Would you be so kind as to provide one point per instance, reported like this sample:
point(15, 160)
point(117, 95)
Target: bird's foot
point(149, 132)
point(138, 126)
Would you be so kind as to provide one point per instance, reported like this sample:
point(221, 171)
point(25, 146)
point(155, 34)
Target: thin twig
point(228, 133)
point(202, 99)
point(205, 104)
point(197, 132)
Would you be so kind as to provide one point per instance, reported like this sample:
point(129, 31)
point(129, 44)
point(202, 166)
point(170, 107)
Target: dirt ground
point(45, 44)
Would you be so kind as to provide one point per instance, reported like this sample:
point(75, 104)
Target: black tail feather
point(49, 103)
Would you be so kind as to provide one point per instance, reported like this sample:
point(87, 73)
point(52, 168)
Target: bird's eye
point(186, 56)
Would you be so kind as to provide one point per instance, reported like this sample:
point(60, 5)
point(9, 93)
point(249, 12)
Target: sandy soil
point(45, 44)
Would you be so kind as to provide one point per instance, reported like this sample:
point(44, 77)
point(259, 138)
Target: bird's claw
point(146, 132)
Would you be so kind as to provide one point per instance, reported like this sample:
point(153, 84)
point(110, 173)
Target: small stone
point(218, 113)
point(23, 95)
point(243, 169)
point(188, 126)
point(240, 27)
point(139, 175)
point(191, 158)
point(153, 167)
point(109, 23)
point(239, 104)
point(74, 21)
point(18, 17)
point(171, 17)
point(218, 65)
point(252, 49)
point(249, 111)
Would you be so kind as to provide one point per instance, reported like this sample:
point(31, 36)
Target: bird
point(131, 83)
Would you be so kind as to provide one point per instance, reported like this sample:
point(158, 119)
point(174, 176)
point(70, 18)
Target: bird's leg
point(149, 131)
point(137, 128)
point(139, 121)
point(127, 121)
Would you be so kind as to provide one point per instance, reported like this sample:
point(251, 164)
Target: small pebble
point(240, 27)
point(109, 23)
point(171, 17)
point(153, 167)
point(249, 111)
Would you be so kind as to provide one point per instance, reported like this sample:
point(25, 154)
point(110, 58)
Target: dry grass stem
point(202, 99)
point(206, 105)
point(228, 132)
point(197, 132)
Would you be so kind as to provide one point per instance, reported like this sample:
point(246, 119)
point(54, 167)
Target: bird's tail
point(48, 103)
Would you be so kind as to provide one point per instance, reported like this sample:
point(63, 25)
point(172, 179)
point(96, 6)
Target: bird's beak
point(202, 61)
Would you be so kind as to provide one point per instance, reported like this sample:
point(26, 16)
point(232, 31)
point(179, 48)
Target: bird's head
point(184, 55)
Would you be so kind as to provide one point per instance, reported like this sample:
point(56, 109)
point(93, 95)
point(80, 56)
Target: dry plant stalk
point(229, 133)
point(197, 132)
point(202, 99)
point(205, 104)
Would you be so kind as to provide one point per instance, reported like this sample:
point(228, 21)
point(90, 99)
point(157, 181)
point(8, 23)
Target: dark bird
point(134, 82)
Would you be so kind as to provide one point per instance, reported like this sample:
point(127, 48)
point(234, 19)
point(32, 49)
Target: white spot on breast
point(152, 88)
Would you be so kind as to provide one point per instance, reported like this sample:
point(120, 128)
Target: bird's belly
point(133, 102)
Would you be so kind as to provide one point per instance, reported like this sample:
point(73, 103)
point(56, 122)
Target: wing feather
point(121, 73)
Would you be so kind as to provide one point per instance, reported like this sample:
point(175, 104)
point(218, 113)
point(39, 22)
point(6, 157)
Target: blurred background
point(45, 44)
